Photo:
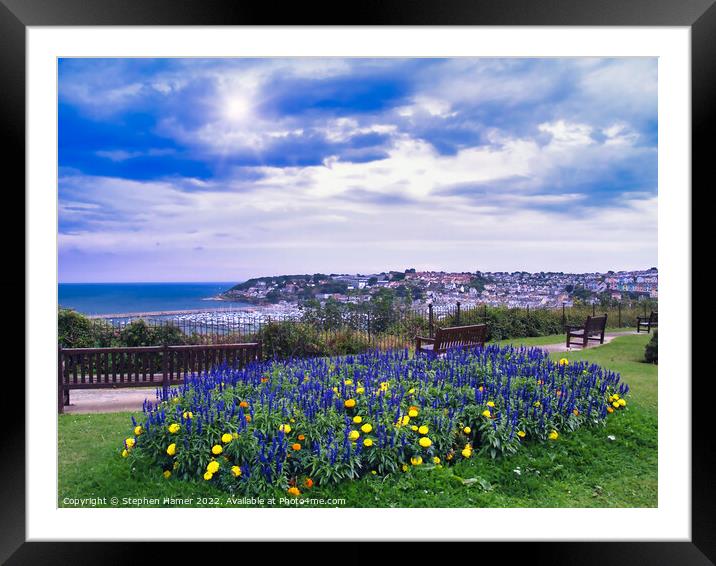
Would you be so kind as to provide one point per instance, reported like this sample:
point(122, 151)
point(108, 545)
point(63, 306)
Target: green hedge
point(651, 352)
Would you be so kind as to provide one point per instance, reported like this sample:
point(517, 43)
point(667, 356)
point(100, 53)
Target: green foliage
point(651, 352)
point(74, 330)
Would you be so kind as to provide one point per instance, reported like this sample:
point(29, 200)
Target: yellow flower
point(172, 449)
point(137, 430)
point(174, 428)
point(423, 429)
point(235, 435)
point(360, 390)
point(564, 362)
point(413, 413)
point(348, 382)
point(466, 452)
point(217, 449)
point(167, 474)
point(436, 460)
point(406, 420)
point(294, 491)
point(384, 385)
point(404, 467)
point(175, 465)
point(622, 403)
point(188, 415)
point(125, 453)
point(414, 428)
point(490, 403)
point(175, 400)
point(235, 471)
point(212, 467)
point(350, 403)
point(208, 476)
point(227, 437)
point(411, 391)
point(129, 442)
point(554, 435)
point(615, 404)
point(425, 442)
point(537, 403)
point(449, 456)
point(486, 413)
point(366, 428)
point(353, 435)
point(467, 430)
point(285, 428)
point(357, 419)
point(521, 433)
point(416, 460)
point(616, 396)
point(373, 472)
point(368, 442)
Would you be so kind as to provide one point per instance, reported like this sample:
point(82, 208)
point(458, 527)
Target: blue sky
point(224, 169)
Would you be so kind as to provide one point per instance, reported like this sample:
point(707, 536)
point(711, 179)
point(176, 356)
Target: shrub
point(292, 423)
point(651, 352)
point(290, 339)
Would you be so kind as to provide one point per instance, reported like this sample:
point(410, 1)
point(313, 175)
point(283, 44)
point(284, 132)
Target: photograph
point(358, 282)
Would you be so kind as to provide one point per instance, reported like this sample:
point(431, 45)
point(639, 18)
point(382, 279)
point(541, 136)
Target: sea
point(115, 298)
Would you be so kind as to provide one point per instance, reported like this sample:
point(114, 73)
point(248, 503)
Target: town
point(440, 288)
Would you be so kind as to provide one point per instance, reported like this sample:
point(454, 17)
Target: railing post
point(165, 372)
point(430, 320)
point(619, 310)
point(60, 382)
point(457, 314)
point(564, 316)
point(594, 309)
point(485, 312)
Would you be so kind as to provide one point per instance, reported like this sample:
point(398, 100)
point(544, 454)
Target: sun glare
point(237, 108)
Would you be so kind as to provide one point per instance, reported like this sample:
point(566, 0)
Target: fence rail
point(344, 328)
point(142, 366)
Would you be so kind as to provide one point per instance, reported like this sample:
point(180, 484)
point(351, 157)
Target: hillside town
point(440, 288)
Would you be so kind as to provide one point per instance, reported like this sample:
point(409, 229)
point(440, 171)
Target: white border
point(670, 521)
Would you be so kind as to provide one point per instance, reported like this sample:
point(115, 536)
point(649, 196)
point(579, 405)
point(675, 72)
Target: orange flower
point(308, 483)
point(244, 404)
point(294, 491)
point(576, 412)
point(296, 446)
point(248, 418)
point(302, 437)
point(264, 379)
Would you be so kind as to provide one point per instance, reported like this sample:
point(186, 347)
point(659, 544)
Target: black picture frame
point(699, 15)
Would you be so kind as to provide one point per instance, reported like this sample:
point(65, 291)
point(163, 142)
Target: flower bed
point(295, 423)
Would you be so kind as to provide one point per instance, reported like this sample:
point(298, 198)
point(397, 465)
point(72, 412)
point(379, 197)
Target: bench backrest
point(458, 336)
point(596, 324)
point(654, 316)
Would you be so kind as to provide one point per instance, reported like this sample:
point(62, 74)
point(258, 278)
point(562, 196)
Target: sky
point(226, 169)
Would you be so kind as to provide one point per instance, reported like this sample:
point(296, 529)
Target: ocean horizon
point(117, 298)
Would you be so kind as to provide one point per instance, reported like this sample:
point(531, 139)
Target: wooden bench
point(452, 337)
point(647, 322)
point(592, 329)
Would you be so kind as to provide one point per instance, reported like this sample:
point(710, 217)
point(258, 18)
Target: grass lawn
point(581, 469)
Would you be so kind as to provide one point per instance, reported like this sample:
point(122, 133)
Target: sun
point(237, 108)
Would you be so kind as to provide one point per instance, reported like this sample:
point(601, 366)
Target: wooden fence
point(144, 366)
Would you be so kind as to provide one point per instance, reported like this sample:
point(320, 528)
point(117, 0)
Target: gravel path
point(562, 346)
point(119, 400)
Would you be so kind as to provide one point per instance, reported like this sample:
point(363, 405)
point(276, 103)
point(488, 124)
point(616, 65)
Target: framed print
point(355, 276)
